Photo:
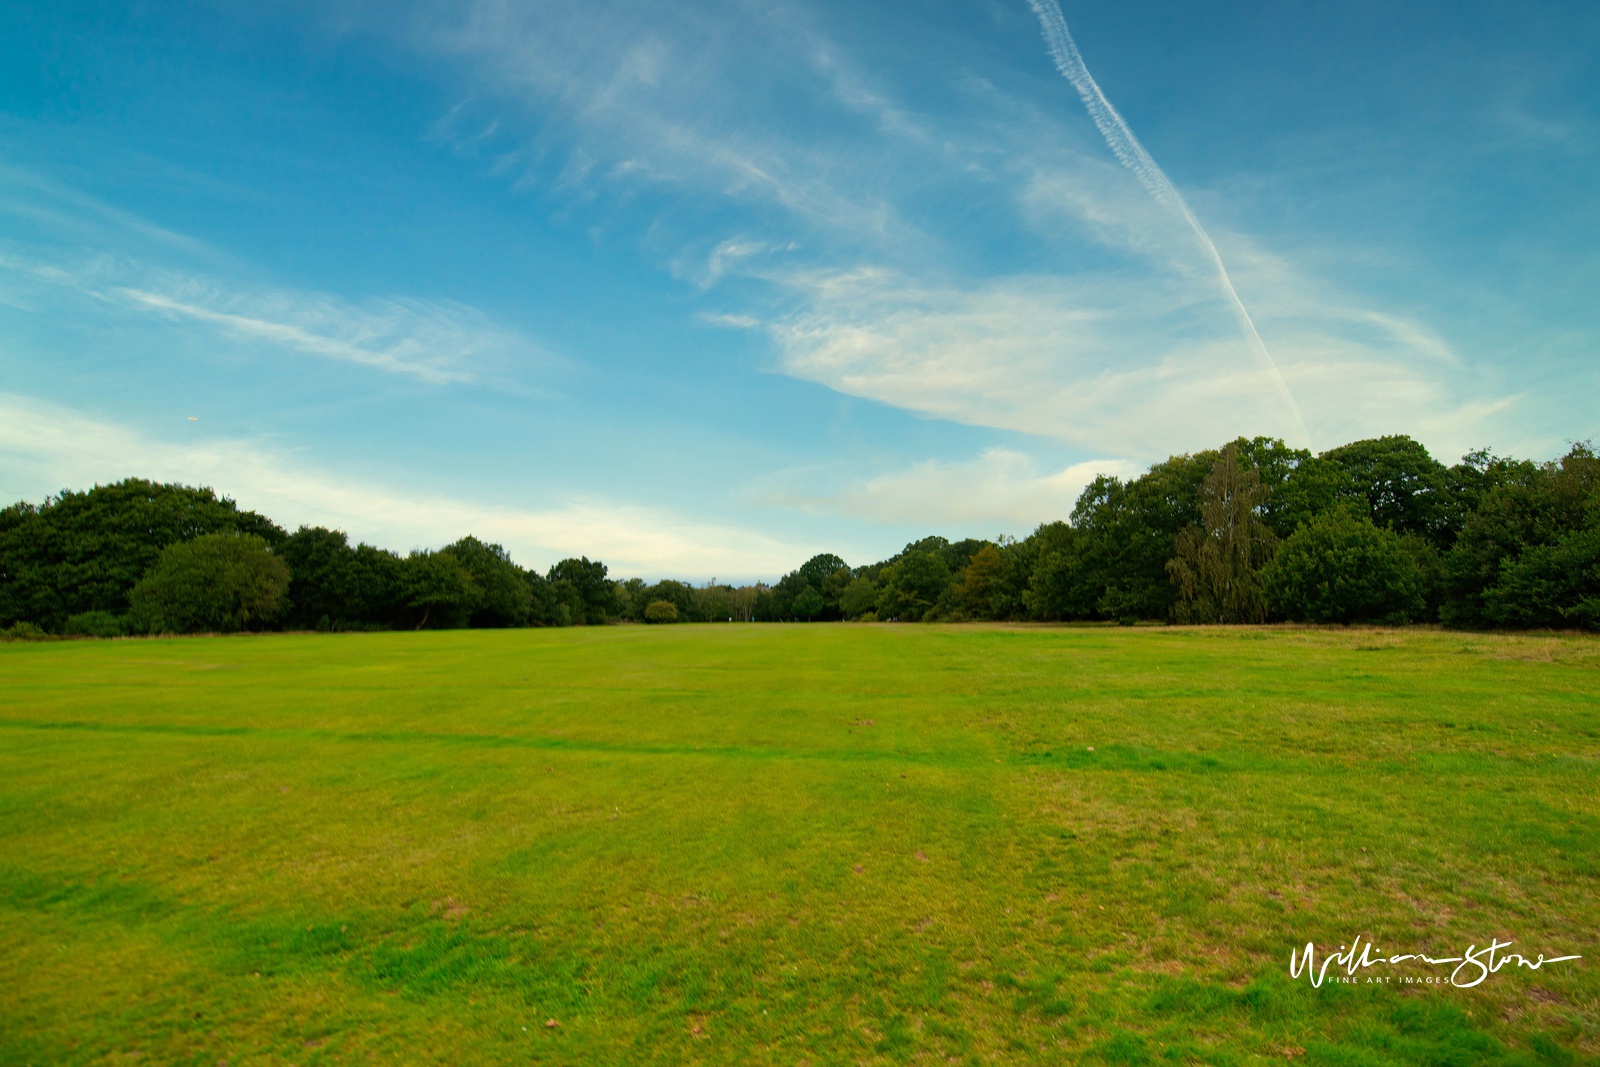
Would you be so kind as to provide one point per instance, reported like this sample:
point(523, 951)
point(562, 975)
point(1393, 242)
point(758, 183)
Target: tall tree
point(1060, 584)
point(582, 588)
point(1522, 557)
point(439, 591)
point(1218, 561)
point(913, 585)
point(507, 599)
point(980, 584)
point(1401, 484)
point(1127, 531)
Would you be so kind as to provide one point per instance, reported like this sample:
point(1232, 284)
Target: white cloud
point(1001, 491)
point(436, 342)
point(411, 338)
point(45, 446)
point(1140, 370)
point(634, 99)
point(1042, 355)
point(1122, 341)
point(27, 194)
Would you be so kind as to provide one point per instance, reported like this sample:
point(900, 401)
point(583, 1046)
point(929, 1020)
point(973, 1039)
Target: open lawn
point(794, 844)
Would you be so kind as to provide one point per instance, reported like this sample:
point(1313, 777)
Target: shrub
point(219, 582)
point(1341, 568)
point(23, 631)
point(95, 624)
point(661, 611)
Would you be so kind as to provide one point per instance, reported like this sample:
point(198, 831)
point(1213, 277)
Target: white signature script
point(1476, 963)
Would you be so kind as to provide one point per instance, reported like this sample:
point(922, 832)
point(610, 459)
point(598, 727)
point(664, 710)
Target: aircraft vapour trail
point(1126, 147)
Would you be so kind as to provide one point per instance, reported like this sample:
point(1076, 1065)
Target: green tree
point(819, 568)
point(858, 598)
point(321, 585)
point(912, 585)
point(1342, 568)
point(1060, 586)
point(507, 599)
point(335, 585)
point(84, 551)
point(808, 604)
point(981, 583)
point(713, 602)
point(582, 588)
point(1217, 563)
point(629, 594)
point(778, 606)
point(1126, 533)
point(218, 582)
point(1555, 586)
point(1520, 559)
point(1402, 485)
point(681, 595)
point(825, 573)
point(439, 591)
point(96, 624)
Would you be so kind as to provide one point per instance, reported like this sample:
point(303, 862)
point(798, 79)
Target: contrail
point(1126, 147)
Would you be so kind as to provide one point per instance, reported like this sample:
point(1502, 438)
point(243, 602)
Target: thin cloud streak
point(438, 343)
point(393, 356)
point(22, 189)
point(1126, 147)
point(1139, 330)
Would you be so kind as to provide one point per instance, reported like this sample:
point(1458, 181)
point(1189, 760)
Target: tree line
point(1373, 531)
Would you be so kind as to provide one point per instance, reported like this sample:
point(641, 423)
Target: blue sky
point(703, 288)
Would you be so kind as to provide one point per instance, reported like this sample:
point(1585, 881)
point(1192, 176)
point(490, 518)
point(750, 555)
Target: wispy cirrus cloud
point(60, 209)
point(431, 343)
point(1045, 355)
point(44, 446)
point(1126, 147)
point(833, 193)
point(577, 96)
point(434, 342)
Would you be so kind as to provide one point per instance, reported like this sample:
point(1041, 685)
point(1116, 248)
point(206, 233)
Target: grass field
point(789, 845)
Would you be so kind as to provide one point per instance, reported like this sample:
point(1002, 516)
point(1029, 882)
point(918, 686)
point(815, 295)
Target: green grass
point(785, 845)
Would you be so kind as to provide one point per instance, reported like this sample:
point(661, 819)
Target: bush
point(23, 631)
point(95, 624)
point(661, 611)
point(1342, 568)
point(219, 582)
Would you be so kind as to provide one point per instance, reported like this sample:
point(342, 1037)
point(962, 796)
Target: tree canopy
point(1375, 530)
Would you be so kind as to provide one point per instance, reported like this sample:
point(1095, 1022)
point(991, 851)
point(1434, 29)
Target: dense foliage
point(1340, 567)
point(217, 581)
point(1376, 530)
point(82, 552)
